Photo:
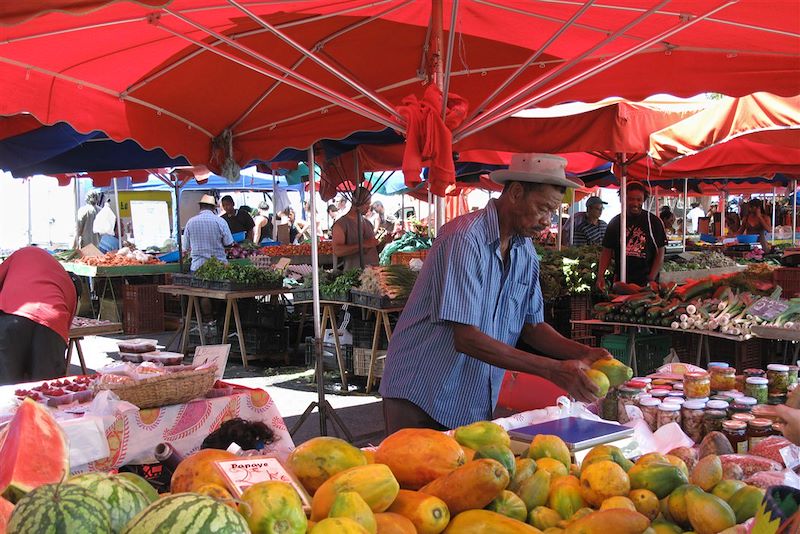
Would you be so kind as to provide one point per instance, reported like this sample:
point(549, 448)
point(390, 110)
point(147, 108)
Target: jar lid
point(726, 370)
point(675, 400)
point(700, 375)
point(665, 387)
point(694, 404)
point(669, 406)
point(629, 391)
point(734, 425)
point(659, 392)
point(718, 364)
point(753, 372)
point(704, 399)
point(642, 379)
point(678, 386)
point(757, 380)
point(778, 367)
point(649, 402)
point(723, 398)
point(733, 394)
point(760, 423)
point(743, 417)
point(717, 405)
point(635, 384)
point(793, 368)
point(674, 394)
point(746, 401)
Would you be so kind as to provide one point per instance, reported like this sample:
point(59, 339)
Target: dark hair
point(332, 207)
point(528, 187)
point(249, 435)
point(76, 281)
point(756, 203)
point(226, 198)
point(665, 210)
point(637, 186)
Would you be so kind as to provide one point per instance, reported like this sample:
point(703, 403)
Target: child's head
point(249, 435)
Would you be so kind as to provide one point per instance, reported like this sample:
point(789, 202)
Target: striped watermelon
point(187, 513)
point(5, 513)
point(122, 499)
point(21, 468)
point(59, 509)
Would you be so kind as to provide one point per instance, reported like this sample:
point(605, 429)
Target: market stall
point(82, 327)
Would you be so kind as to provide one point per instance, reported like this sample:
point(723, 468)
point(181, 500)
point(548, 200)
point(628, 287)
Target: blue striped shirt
point(206, 235)
point(462, 281)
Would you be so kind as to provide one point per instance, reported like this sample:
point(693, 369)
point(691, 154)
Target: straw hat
point(209, 200)
point(536, 168)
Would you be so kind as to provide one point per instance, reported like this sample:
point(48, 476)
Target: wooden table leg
point(239, 332)
point(199, 317)
point(339, 357)
point(227, 326)
point(69, 356)
point(187, 322)
point(80, 355)
point(375, 340)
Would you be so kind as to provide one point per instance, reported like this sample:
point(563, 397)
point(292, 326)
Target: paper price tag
point(242, 473)
point(767, 308)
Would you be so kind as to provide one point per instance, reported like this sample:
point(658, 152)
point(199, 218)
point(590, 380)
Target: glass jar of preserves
point(776, 398)
point(717, 405)
point(627, 397)
point(696, 385)
point(659, 393)
point(609, 405)
point(650, 412)
point(733, 394)
point(723, 365)
point(736, 432)
point(675, 400)
point(778, 378)
point(744, 417)
point(722, 378)
point(757, 388)
point(692, 419)
point(793, 369)
point(668, 412)
point(757, 430)
point(743, 405)
point(712, 420)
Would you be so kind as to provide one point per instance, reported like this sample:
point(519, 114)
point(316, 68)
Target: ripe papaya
point(660, 478)
point(502, 454)
point(617, 372)
point(745, 502)
point(543, 517)
point(707, 473)
point(677, 462)
point(661, 526)
point(525, 468)
point(374, 482)
point(553, 466)
point(338, 525)
point(316, 460)
point(469, 454)
point(509, 505)
point(618, 501)
point(428, 513)
point(600, 380)
point(390, 523)
point(602, 480)
point(606, 452)
point(351, 504)
point(549, 446)
point(417, 456)
point(481, 434)
point(617, 520)
point(534, 490)
point(485, 522)
point(678, 511)
point(566, 500)
point(473, 485)
point(708, 514)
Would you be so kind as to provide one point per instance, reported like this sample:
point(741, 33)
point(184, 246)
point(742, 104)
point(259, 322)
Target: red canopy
point(178, 74)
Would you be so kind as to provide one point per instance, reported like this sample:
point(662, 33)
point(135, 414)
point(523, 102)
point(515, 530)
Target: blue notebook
point(577, 433)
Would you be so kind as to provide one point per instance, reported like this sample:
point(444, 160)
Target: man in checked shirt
point(477, 295)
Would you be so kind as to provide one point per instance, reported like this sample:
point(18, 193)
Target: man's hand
point(571, 376)
point(596, 353)
point(792, 418)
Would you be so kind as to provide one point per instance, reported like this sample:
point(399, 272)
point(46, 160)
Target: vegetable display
point(571, 271)
point(393, 281)
point(410, 242)
point(704, 260)
point(245, 249)
point(214, 270)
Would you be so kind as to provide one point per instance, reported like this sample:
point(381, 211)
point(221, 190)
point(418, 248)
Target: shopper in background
point(477, 295)
point(206, 235)
point(593, 228)
point(38, 299)
point(645, 245)
point(693, 216)
point(756, 222)
point(263, 223)
point(238, 220)
point(345, 235)
point(667, 219)
point(84, 229)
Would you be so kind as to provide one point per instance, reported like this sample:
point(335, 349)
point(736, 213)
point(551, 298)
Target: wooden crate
point(142, 309)
point(361, 359)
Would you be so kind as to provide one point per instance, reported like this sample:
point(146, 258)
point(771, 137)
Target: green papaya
point(606, 452)
point(660, 478)
point(708, 514)
point(480, 434)
point(543, 517)
point(524, 468)
point(745, 502)
point(566, 500)
point(617, 372)
point(509, 505)
point(727, 488)
point(502, 454)
point(534, 490)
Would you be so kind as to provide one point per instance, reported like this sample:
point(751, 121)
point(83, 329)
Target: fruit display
point(324, 247)
point(124, 257)
point(245, 249)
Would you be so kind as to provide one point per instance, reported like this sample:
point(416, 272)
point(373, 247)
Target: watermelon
point(122, 499)
point(59, 509)
point(33, 451)
point(5, 512)
point(146, 488)
point(187, 513)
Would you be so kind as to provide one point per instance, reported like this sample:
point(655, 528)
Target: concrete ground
point(291, 388)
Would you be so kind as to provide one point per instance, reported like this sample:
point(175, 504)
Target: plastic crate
point(651, 349)
point(329, 361)
point(269, 315)
point(303, 295)
point(180, 279)
point(372, 300)
point(142, 309)
point(335, 297)
point(404, 258)
point(364, 331)
point(361, 359)
point(789, 280)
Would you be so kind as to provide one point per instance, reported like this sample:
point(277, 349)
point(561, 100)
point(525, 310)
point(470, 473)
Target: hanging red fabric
point(429, 137)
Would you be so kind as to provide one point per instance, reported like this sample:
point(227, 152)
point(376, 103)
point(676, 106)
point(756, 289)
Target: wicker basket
point(403, 258)
point(162, 390)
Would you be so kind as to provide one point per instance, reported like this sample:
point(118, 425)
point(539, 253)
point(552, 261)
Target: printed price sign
point(242, 473)
point(767, 308)
point(213, 354)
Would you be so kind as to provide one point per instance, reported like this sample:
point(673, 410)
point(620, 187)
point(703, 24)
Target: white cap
point(778, 367)
point(717, 405)
point(649, 402)
point(757, 380)
point(718, 364)
point(694, 404)
point(675, 400)
point(749, 401)
point(669, 406)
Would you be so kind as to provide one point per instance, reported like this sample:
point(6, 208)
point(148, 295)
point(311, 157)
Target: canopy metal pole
point(774, 209)
point(119, 217)
point(437, 50)
point(623, 220)
point(178, 220)
point(794, 212)
point(559, 229)
point(275, 213)
point(323, 424)
point(359, 218)
point(572, 222)
point(685, 199)
point(723, 202)
point(30, 216)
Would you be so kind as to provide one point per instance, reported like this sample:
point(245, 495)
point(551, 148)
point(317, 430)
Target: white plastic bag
point(104, 221)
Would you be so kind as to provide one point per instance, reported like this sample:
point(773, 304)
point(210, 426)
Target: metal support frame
point(685, 200)
point(623, 220)
point(794, 212)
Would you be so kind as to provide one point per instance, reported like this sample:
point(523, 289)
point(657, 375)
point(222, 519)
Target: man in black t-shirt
point(646, 242)
point(238, 220)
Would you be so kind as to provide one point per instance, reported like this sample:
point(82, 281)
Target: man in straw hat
point(477, 295)
point(206, 235)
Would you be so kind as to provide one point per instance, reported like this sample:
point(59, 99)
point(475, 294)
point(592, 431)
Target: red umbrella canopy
point(272, 75)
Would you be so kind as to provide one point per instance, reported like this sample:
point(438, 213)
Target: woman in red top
point(38, 299)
